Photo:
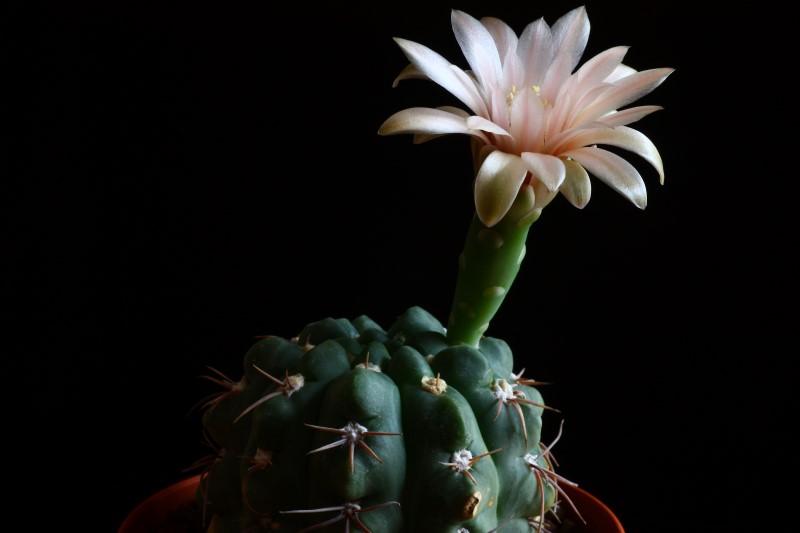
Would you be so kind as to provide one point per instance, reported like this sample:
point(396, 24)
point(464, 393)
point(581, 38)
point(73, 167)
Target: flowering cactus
point(422, 427)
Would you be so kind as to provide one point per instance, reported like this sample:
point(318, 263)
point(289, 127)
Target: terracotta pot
point(171, 509)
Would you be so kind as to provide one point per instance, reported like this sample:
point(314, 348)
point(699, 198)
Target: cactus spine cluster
point(381, 430)
point(418, 428)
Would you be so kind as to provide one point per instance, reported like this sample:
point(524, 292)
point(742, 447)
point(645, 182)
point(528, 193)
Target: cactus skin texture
point(387, 431)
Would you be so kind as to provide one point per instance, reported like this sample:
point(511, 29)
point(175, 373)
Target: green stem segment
point(486, 269)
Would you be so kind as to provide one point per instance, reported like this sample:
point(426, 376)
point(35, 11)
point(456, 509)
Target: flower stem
point(486, 269)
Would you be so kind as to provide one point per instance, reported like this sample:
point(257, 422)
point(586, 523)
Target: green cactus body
point(352, 426)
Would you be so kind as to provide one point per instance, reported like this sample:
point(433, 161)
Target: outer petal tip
point(497, 185)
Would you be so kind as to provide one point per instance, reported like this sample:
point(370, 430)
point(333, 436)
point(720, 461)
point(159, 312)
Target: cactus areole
point(422, 427)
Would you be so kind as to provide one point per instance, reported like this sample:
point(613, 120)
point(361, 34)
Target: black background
point(185, 177)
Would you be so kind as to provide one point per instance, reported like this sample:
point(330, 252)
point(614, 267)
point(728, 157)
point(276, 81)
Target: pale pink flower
point(536, 125)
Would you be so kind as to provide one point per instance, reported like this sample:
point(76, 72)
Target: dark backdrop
point(183, 178)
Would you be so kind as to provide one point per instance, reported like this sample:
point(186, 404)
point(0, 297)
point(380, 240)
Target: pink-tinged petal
point(426, 121)
point(513, 70)
point(409, 73)
point(614, 171)
point(622, 71)
point(420, 138)
point(577, 188)
point(535, 50)
point(468, 78)
point(496, 185)
point(504, 37)
point(582, 87)
point(480, 123)
point(570, 35)
point(568, 108)
point(558, 142)
point(628, 116)
point(478, 47)
point(622, 137)
point(527, 120)
point(480, 50)
point(599, 68)
point(547, 169)
point(440, 71)
point(623, 92)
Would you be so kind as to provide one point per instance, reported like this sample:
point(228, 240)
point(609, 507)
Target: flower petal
point(480, 123)
point(613, 171)
point(547, 169)
point(420, 138)
point(623, 92)
point(622, 137)
point(535, 50)
point(504, 37)
point(527, 120)
point(570, 35)
point(478, 47)
point(577, 188)
point(506, 41)
point(628, 116)
point(496, 185)
point(558, 141)
point(427, 121)
point(440, 71)
point(620, 72)
point(598, 68)
point(585, 85)
point(408, 73)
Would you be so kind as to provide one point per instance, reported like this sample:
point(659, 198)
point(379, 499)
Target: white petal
point(628, 116)
point(440, 71)
point(535, 50)
point(570, 35)
point(567, 107)
point(598, 68)
point(420, 138)
point(408, 73)
point(586, 84)
point(620, 72)
point(478, 47)
point(512, 68)
point(622, 137)
point(556, 142)
point(504, 37)
point(623, 92)
point(613, 171)
point(547, 169)
point(577, 188)
point(480, 123)
point(496, 186)
point(426, 121)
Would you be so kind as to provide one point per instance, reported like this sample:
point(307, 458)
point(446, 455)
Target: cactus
point(422, 427)
point(386, 430)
